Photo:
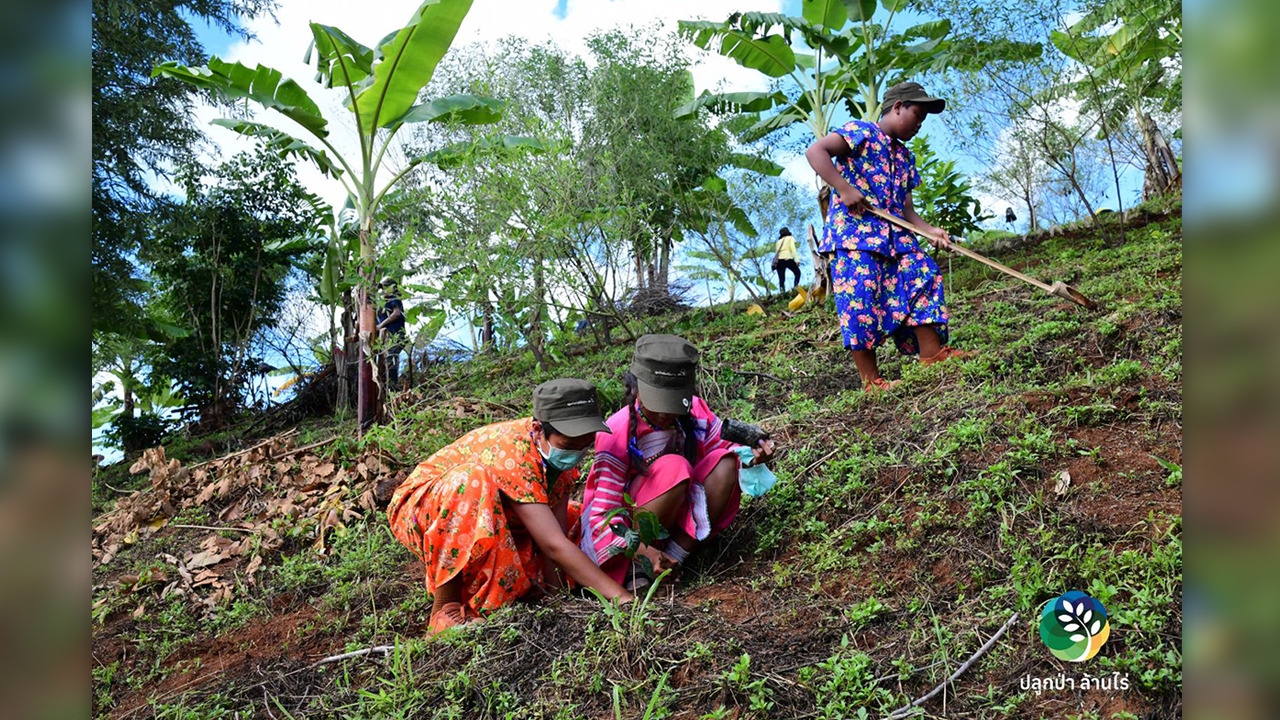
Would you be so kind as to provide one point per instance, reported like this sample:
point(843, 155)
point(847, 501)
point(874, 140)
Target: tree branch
point(902, 712)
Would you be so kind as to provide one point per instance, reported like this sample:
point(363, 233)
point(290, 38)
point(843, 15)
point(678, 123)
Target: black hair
point(548, 429)
point(684, 422)
point(784, 232)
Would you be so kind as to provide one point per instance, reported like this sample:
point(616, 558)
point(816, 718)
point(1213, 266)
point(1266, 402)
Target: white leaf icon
point(1096, 624)
point(1067, 605)
point(1071, 627)
point(1077, 638)
point(1065, 618)
point(1087, 616)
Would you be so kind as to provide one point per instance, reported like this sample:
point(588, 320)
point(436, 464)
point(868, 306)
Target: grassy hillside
point(905, 529)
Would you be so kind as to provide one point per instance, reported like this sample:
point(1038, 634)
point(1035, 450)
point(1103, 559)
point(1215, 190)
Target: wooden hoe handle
point(963, 251)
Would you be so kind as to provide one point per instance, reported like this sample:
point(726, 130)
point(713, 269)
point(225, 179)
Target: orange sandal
point(948, 353)
point(449, 615)
point(878, 384)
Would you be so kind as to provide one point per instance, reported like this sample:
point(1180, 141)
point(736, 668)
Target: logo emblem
point(1074, 626)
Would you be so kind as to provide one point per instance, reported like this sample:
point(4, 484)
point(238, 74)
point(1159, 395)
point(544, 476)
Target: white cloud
point(282, 43)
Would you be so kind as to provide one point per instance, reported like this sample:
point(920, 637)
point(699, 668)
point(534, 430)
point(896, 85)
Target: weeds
point(846, 681)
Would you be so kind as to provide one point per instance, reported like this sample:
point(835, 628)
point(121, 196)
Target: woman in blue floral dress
point(885, 285)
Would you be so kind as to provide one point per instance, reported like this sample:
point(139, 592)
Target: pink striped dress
point(613, 474)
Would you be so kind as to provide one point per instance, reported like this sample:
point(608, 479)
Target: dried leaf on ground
point(204, 558)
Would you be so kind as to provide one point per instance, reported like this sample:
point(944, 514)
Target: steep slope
point(905, 530)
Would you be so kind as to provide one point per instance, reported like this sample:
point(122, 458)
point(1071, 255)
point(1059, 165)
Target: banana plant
point(851, 59)
point(381, 85)
point(1132, 55)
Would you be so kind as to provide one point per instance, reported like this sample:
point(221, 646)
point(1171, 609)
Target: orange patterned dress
point(453, 511)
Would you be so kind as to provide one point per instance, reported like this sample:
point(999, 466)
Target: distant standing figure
point(391, 328)
point(1009, 217)
point(784, 259)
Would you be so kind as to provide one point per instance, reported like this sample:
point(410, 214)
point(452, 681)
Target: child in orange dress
point(490, 515)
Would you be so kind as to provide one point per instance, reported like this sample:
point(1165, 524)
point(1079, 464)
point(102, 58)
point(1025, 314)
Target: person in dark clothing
point(784, 259)
point(391, 333)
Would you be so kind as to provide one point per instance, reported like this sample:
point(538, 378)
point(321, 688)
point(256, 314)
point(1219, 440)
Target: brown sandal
point(948, 353)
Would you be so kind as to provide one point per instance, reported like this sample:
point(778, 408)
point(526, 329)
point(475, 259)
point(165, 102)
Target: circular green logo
point(1074, 626)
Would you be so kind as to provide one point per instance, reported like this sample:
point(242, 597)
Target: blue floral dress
point(885, 286)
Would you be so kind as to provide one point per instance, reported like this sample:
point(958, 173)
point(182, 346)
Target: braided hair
point(683, 422)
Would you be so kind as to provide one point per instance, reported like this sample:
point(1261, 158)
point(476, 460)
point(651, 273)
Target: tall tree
point(535, 238)
point(1018, 170)
point(142, 126)
point(1131, 52)
point(641, 77)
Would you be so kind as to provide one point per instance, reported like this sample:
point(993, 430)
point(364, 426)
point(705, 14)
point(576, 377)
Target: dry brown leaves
point(265, 492)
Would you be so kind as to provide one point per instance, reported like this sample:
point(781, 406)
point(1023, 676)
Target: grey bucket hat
point(570, 405)
point(665, 367)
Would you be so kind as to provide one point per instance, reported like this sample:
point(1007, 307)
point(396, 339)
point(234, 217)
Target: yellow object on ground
point(799, 300)
point(290, 383)
point(755, 309)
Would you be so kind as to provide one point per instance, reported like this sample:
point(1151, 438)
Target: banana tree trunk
point(822, 285)
point(1162, 171)
point(824, 198)
point(335, 340)
point(366, 392)
point(368, 401)
point(347, 349)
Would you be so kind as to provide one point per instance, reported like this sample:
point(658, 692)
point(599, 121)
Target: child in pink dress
point(664, 450)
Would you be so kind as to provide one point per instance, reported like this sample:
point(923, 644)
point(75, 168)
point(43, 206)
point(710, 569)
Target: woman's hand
point(762, 453)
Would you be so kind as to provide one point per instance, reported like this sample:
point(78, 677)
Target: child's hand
point(653, 553)
point(762, 453)
point(941, 239)
point(661, 561)
point(854, 200)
